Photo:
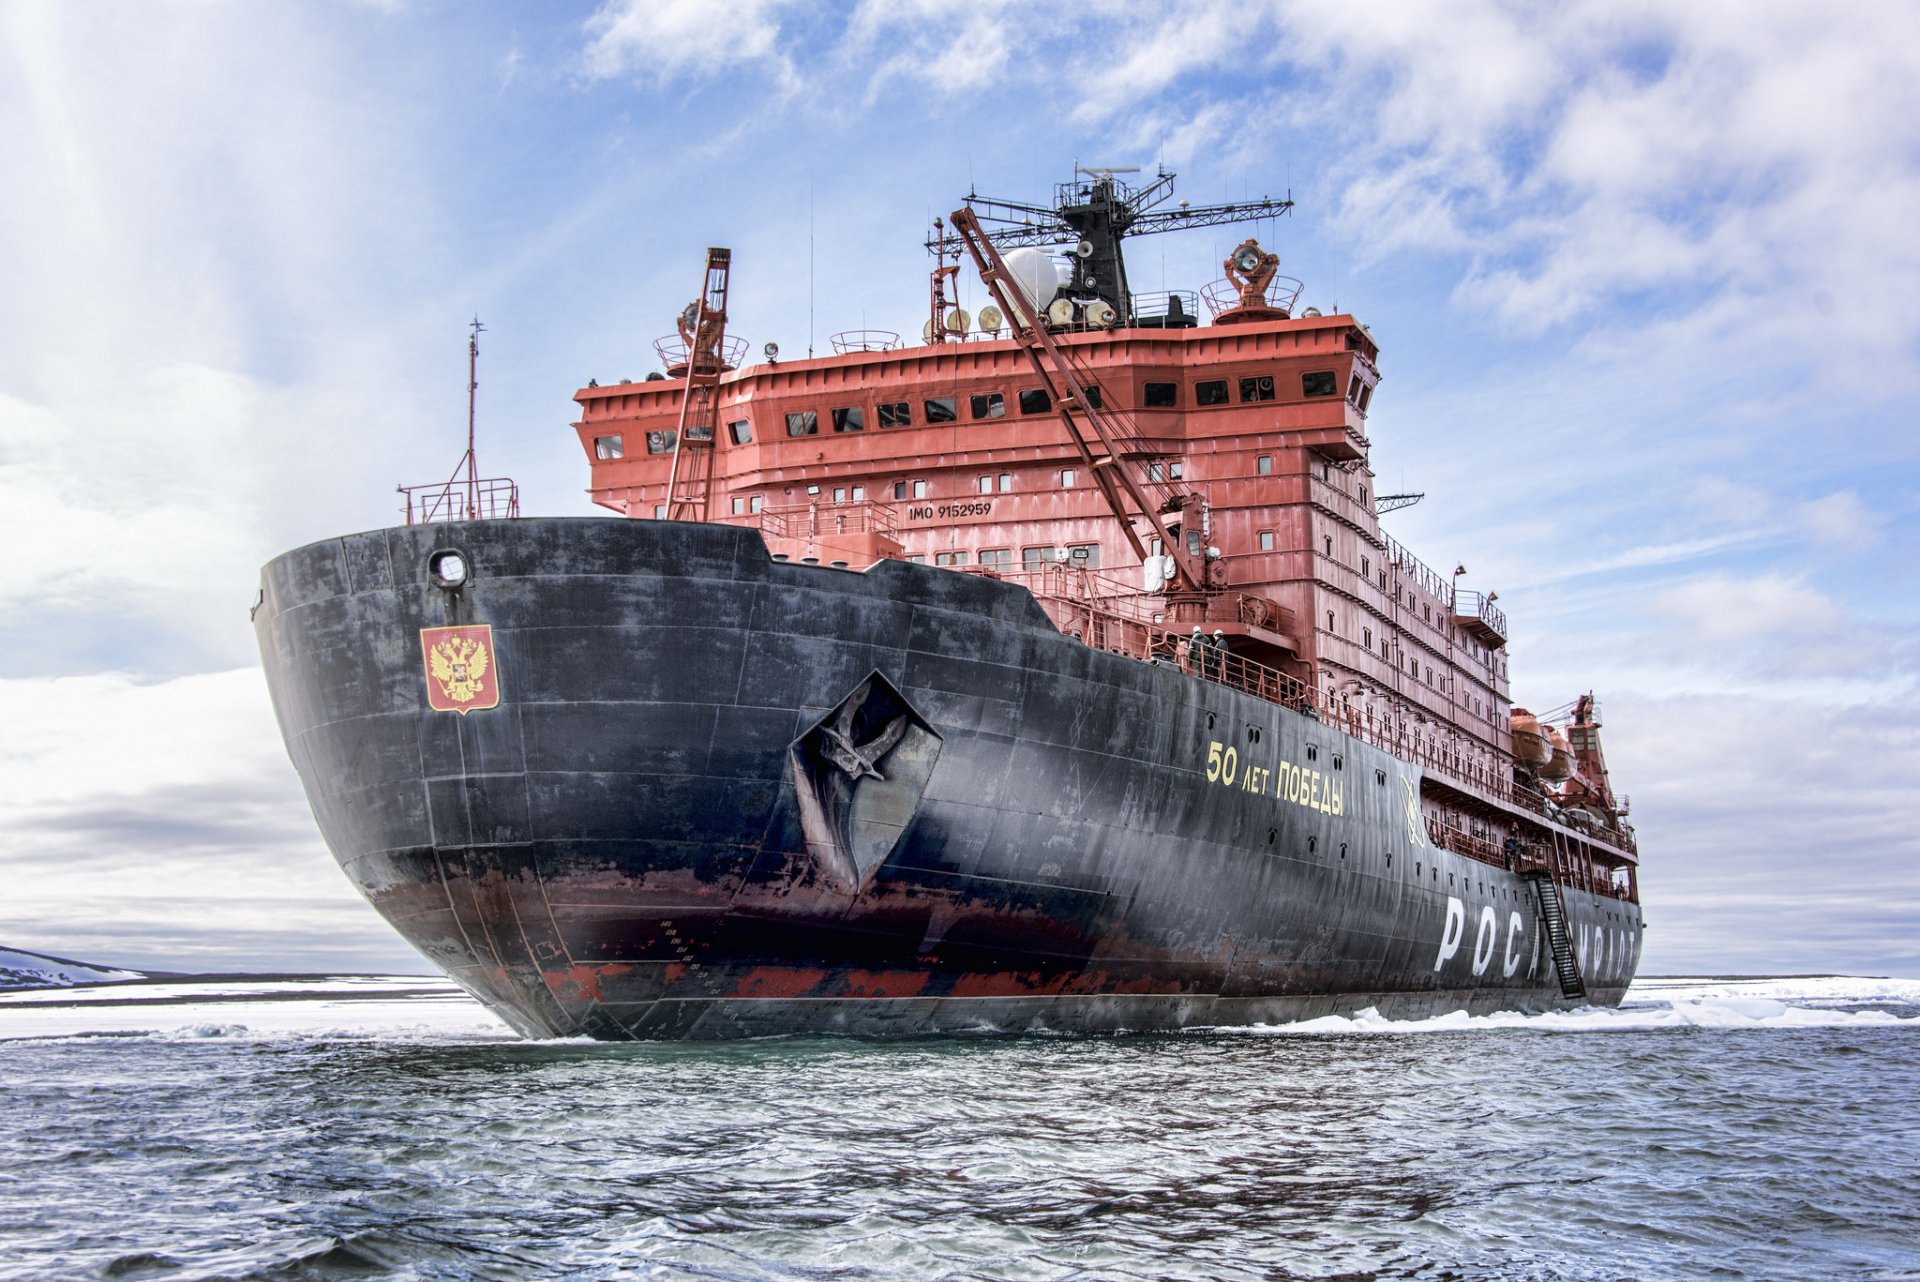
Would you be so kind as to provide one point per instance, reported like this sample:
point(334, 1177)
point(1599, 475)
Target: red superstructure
point(1244, 441)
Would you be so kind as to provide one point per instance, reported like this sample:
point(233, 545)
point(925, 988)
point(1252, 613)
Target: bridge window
point(839, 494)
point(896, 414)
point(804, 423)
point(1067, 478)
point(1353, 390)
point(659, 511)
point(1176, 470)
point(1366, 567)
point(989, 405)
point(942, 409)
point(1328, 540)
point(996, 557)
point(740, 431)
point(899, 489)
point(1093, 394)
point(756, 503)
point(1211, 392)
point(1035, 401)
point(850, 419)
point(949, 558)
point(1266, 540)
point(660, 442)
point(986, 485)
point(1366, 637)
point(1160, 395)
point(1264, 465)
point(1035, 558)
point(739, 506)
point(1258, 388)
point(1006, 482)
point(1329, 620)
point(1320, 382)
point(859, 494)
point(1085, 555)
point(606, 447)
point(1156, 472)
point(919, 489)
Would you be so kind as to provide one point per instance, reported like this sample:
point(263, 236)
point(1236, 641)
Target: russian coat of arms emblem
point(462, 670)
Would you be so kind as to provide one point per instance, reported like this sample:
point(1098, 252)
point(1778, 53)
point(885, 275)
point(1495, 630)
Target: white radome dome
point(1036, 275)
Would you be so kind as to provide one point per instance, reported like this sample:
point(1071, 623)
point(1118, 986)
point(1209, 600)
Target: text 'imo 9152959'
point(1052, 671)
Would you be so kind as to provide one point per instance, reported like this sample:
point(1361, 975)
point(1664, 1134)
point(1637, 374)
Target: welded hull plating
point(718, 795)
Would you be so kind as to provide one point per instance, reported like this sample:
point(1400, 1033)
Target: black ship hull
point(726, 796)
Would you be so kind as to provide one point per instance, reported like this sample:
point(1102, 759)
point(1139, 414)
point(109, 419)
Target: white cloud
point(1840, 522)
point(665, 40)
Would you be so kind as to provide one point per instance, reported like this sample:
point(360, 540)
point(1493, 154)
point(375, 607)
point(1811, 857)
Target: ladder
point(703, 327)
point(1553, 913)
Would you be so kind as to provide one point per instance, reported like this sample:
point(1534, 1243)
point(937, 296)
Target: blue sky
point(1642, 275)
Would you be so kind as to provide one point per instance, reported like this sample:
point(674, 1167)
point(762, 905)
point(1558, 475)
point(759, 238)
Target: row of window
point(1085, 555)
point(986, 406)
point(939, 409)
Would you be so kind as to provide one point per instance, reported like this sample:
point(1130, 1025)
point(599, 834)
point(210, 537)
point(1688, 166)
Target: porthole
point(448, 569)
point(1273, 835)
point(1343, 850)
point(1209, 721)
point(1380, 777)
point(1312, 844)
point(1313, 753)
point(1337, 762)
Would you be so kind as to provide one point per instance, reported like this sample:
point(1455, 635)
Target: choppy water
point(1723, 1130)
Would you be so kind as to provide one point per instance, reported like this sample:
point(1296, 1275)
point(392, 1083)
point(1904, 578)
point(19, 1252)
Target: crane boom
point(1101, 454)
point(703, 326)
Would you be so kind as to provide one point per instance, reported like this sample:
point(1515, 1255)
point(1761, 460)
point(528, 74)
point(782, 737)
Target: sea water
point(390, 1128)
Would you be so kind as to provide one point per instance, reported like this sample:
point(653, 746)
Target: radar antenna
point(1094, 213)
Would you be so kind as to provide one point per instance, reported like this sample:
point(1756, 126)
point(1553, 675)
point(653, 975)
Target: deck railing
point(1098, 610)
point(495, 498)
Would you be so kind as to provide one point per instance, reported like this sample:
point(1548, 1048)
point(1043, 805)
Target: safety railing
point(1086, 605)
point(493, 499)
point(672, 351)
point(1282, 292)
point(812, 520)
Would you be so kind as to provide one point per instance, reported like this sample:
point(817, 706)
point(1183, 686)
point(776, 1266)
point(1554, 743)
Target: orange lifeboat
point(1559, 767)
point(1531, 748)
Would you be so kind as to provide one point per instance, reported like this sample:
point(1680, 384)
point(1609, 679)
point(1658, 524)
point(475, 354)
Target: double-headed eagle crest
point(460, 668)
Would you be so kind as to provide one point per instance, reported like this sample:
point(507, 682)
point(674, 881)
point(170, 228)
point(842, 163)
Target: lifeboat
point(1559, 767)
point(1531, 748)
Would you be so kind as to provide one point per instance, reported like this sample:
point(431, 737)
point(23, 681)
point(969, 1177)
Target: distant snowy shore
point(20, 970)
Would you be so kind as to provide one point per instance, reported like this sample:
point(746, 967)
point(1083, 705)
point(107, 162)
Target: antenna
point(473, 388)
point(463, 496)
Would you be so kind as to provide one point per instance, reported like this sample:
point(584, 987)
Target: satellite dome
point(1036, 275)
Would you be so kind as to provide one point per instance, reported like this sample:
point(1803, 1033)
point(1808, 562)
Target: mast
point(1094, 213)
point(473, 386)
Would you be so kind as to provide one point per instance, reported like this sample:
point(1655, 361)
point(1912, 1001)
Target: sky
point(1643, 276)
